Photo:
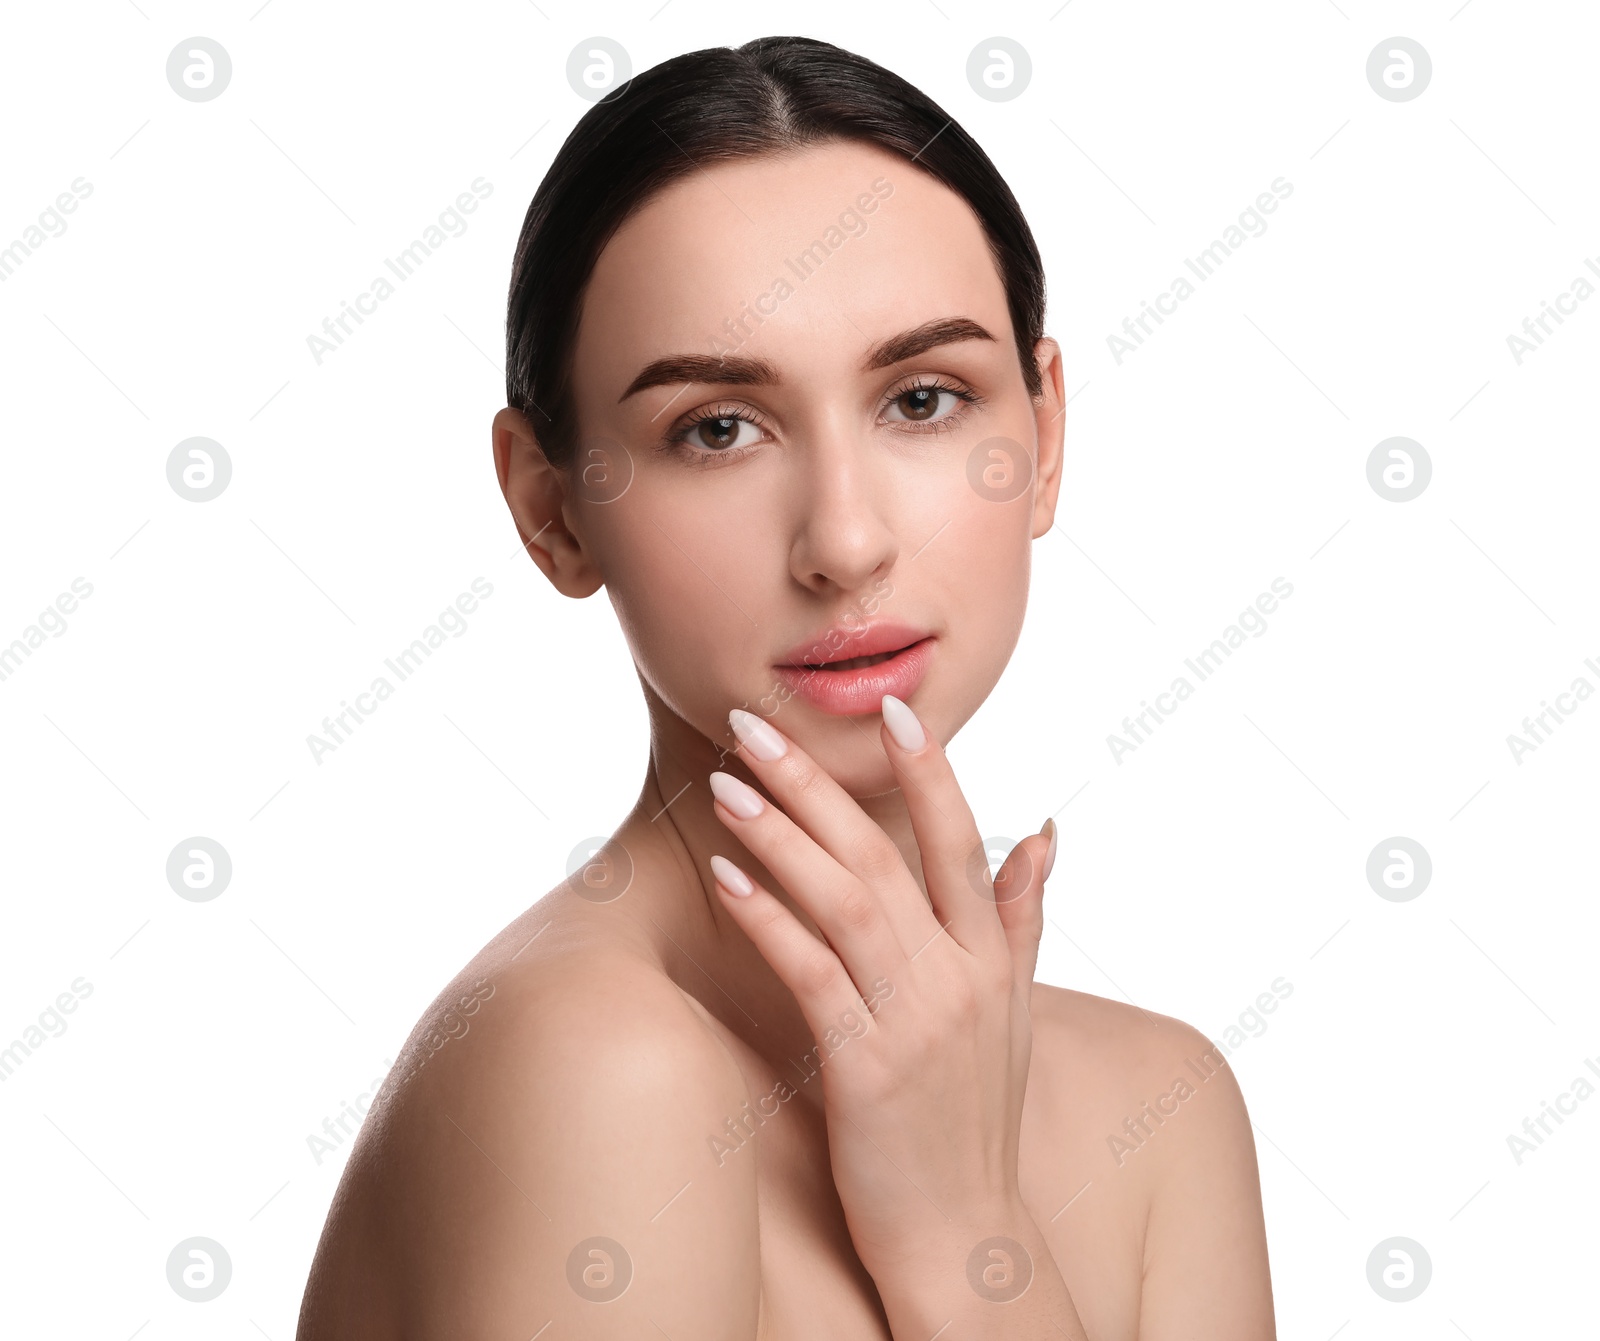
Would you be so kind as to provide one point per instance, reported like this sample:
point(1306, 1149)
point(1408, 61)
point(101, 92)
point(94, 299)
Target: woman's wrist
point(987, 1275)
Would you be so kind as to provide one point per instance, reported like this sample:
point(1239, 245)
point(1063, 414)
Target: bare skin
point(576, 1081)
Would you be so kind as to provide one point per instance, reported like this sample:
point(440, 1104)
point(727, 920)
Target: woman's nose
point(843, 534)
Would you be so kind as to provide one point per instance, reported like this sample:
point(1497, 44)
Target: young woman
point(773, 1064)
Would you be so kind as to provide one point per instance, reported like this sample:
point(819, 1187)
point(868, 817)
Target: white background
point(1227, 851)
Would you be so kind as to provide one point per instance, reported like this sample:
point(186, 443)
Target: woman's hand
point(921, 1014)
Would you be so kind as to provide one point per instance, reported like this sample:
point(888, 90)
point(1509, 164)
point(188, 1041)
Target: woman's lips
point(851, 693)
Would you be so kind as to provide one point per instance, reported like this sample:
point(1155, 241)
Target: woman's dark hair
point(771, 95)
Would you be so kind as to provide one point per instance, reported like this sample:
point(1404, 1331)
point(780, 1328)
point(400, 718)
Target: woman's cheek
point(988, 563)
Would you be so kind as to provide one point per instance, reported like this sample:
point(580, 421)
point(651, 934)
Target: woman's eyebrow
point(727, 370)
point(920, 339)
point(737, 370)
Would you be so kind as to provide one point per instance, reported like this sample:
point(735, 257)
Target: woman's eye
point(921, 405)
point(721, 433)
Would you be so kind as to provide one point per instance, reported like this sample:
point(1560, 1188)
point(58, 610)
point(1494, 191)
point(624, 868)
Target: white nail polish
point(903, 724)
point(731, 877)
point(735, 795)
point(756, 736)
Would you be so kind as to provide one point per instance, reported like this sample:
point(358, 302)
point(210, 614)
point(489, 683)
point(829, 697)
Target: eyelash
point(676, 440)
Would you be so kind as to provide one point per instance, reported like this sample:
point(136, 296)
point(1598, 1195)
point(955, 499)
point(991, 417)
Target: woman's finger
point(954, 862)
point(827, 995)
point(1019, 897)
point(815, 802)
point(847, 911)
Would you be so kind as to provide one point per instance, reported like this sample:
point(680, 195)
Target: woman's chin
point(850, 751)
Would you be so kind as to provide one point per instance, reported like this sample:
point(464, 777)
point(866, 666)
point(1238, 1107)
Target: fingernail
point(1049, 852)
point(755, 735)
point(732, 878)
point(742, 800)
point(903, 724)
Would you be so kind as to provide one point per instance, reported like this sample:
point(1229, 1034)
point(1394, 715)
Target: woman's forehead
point(835, 245)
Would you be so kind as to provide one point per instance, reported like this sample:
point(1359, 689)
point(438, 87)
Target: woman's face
point(809, 475)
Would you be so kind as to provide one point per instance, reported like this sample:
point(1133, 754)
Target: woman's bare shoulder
point(1143, 1111)
point(568, 1035)
point(543, 1139)
point(1099, 1028)
point(1128, 1069)
point(566, 1006)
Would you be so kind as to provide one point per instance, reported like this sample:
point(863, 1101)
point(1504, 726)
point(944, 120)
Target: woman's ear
point(1050, 425)
point(536, 493)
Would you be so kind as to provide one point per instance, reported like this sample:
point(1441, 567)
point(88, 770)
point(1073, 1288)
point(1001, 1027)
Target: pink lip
point(852, 693)
point(842, 642)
